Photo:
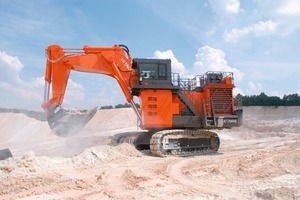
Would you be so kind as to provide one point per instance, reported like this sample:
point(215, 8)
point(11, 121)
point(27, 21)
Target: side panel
point(157, 108)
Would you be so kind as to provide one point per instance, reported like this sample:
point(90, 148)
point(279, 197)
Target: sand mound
point(112, 119)
point(88, 158)
point(18, 127)
point(20, 133)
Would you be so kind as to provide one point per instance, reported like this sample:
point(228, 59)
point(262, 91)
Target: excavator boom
point(112, 61)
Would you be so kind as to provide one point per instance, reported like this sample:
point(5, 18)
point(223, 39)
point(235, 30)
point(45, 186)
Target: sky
point(257, 40)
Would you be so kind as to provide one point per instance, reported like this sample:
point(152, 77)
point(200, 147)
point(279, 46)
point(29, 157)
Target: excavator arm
point(112, 61)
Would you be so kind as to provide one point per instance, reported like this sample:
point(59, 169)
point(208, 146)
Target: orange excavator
point(177, 113)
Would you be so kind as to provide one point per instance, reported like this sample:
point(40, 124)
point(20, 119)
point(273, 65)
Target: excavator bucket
point(65, 123)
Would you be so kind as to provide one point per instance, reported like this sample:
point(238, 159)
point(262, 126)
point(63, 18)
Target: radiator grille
point(222, 100)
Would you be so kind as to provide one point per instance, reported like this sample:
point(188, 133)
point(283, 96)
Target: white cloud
point(276, 93)
point(210, 59)
point(28, 94)
point(74, 93)
point(177, 67)
point(285, 13)
point(254, 88)
point(4, 85)
point(12, 62)
point(251, 86)
point(259, 29)
point(22, 94)
point(10, 67)
point(237, 91)
point(289, 8)
point(232, 6)
point(13, 86)
point(102, 99)
point(225, 6)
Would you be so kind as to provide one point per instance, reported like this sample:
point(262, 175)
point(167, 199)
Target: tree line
point(263, 100)
point(125, 105)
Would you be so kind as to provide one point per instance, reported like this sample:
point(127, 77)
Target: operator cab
point(153, 72)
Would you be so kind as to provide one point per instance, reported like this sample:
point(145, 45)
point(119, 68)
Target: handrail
point(189, 84)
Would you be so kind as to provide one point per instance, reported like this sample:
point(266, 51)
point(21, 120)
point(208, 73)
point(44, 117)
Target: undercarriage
point(175, 142)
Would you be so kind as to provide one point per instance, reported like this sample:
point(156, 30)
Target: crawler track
point(184, 143)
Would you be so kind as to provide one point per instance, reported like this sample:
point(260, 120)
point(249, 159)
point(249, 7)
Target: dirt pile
point(260, 160)
point(20, 133)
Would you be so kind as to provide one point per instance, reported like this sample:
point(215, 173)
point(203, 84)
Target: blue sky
point(258, 40)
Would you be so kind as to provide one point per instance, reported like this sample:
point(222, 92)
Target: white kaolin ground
point(260, 160)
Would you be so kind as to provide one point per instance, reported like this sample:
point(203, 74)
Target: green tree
point(291, 100)
point(106, 107)
point(125, 105)
point(264, 100)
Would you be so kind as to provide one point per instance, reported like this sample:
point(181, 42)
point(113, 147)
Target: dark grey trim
point(5, 153)
point(187, 122)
